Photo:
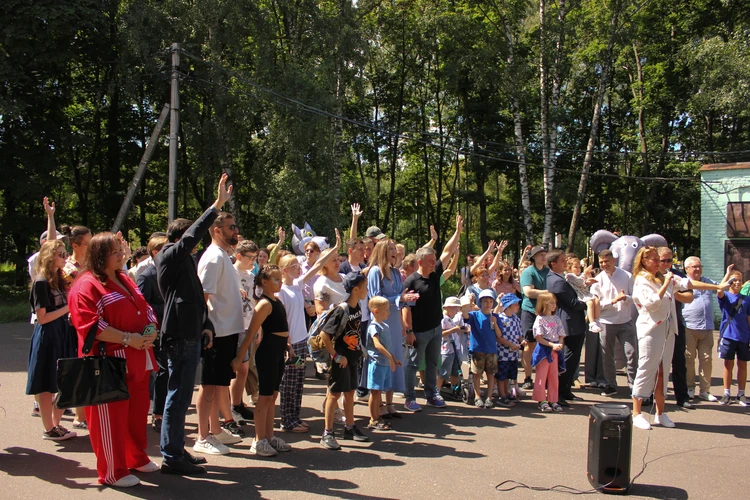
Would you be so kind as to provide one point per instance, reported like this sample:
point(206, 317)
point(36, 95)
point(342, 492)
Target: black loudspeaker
point(610, 439)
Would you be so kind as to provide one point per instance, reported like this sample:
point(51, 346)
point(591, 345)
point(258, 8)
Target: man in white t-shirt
point(221, 290)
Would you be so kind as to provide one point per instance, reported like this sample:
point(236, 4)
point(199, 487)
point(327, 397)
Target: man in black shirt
point(185, 324)
point(422, 321)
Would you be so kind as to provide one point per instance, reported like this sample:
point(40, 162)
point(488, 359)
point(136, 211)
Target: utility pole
point(174, 127)
point(149, 151)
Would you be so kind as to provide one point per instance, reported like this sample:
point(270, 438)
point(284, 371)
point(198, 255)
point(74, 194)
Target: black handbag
point(91, 380)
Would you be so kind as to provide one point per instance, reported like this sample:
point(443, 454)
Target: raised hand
point(433, 233)
point(459, 222)
point(502, 246)
point(356, 212)
point(282, 235)
point(223, 192)
point(338, 238)
point(49, 208)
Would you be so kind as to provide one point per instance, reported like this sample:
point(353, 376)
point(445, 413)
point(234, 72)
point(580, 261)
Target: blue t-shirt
point(384, 335)
point(737, 329)
point(482, 338)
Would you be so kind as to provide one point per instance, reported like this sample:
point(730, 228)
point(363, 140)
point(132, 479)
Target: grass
point(14, 300)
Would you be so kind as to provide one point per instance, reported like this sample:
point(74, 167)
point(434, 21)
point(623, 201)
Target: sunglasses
point(62, 255)
point(233, 227)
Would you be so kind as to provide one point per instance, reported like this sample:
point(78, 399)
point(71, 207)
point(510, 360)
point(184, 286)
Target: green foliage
point(427, 87)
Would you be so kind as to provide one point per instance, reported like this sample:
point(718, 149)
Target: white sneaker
point(595, 327)
point(279, 444)
point(707, 396)
point(262, 448)
point(339, 417)
point(663, 420)
point(225, 437)
point(127, 481)
point(691, 393)
point(210, 446)
point(520, 393)
point(149, 467)
point(641, 422)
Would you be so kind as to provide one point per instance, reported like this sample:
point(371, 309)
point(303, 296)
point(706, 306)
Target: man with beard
point(221, 290)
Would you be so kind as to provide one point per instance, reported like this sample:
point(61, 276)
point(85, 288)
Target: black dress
point(49, 342)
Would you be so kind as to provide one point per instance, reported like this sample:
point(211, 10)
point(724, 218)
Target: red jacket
point(91, 301)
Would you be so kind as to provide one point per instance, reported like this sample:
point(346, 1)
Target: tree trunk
point(549, 174)
point(594, 132)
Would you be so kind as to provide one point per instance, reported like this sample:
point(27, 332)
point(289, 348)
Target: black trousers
point(572, 356)
point(679, 367)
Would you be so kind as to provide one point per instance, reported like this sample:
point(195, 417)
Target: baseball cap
point(536, 250)
point(58, 236)
point(374, 232)
point(351, 280)
point(509, 299)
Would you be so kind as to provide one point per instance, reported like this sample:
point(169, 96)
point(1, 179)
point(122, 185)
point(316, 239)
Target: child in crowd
point(734, 336)
point(380, 361)
point(485, 334)
point(341, 337)
point(452, 326)
point(507, 348)
point(549, 334)
point(270, 330)
point(577, 279)
point(291, 295)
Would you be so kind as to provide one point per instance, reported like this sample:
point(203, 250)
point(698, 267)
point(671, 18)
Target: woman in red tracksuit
point(104, 295)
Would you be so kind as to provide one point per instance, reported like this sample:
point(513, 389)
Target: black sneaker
point(726, 399)
point(193, 459)
point(233, 429)
point(182, 467)
point(528, 383)
point(156, 424)
point(243, 411)
point(609, 391)
point(355, 434)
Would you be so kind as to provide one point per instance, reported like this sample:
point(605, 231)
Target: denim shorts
point(379, 377)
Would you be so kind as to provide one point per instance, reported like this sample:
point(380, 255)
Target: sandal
point(556, 407)
point(545, 407)
point(379, 425)
point(81, 425)
point(298, 429)
point(394, 413)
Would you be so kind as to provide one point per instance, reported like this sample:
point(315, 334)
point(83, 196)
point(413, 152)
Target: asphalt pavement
point(457, 452)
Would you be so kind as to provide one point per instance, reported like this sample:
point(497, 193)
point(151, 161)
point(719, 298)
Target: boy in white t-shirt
point(246, 252)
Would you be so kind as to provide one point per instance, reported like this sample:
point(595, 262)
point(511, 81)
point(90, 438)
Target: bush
point(14, 300)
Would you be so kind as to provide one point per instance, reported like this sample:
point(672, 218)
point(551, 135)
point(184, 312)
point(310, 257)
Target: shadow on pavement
point(25, 462)
point(739, 431)
point(658, 491)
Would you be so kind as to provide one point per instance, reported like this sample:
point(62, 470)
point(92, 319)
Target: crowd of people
point(376, 318)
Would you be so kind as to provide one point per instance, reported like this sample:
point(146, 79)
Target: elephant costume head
point(300, 237)
point(624, 248)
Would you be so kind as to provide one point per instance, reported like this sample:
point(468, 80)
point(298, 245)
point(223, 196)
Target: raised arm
point(324, 257)
point(356, 214)
point(433, 238)
point(451, 270)
point(450, 247)
point(50, 209)
point(498, 256)
point(479, 262)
